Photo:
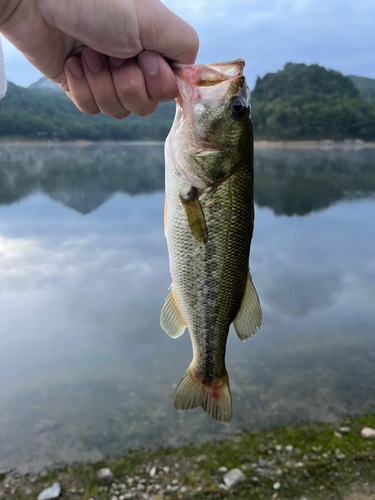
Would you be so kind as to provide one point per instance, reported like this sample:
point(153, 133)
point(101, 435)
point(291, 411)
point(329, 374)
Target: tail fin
point(214, 398)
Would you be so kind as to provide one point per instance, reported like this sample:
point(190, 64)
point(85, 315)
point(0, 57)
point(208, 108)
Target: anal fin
point(249, 316)
point(170, 319)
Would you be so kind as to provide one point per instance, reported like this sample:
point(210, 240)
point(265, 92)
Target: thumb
point(163, 31)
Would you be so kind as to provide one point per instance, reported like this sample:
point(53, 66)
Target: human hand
point(108, 56)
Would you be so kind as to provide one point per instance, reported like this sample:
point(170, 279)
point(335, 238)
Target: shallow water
point(85, 369)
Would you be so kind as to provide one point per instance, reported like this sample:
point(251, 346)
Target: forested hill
point(365, 85)
point(298, 102)
point(311, 102)
point(32, 113)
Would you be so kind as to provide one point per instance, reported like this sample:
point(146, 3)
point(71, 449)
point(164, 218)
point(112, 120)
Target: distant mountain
point(365, 85)
point(310, 102)
point(44, 83)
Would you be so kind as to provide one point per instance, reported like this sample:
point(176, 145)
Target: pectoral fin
point(249, 316)
point(195, 215)
point(170, 319)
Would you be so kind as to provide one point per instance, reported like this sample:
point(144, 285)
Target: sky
point(337, 34)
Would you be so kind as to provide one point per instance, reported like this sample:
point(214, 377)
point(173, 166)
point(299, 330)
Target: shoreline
point(261, 144)
point(316, 461)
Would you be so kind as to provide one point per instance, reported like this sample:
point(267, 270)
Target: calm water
point(85, 369)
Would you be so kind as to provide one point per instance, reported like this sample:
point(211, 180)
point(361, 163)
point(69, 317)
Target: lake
point(85, 369)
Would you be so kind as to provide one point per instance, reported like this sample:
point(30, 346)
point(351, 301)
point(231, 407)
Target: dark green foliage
point(310, 102)
point(40, 113)
point(365, 85)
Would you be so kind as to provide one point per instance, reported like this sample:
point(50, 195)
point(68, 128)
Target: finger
point(159, 78)
point(131, 87)
point(99, 78)
point(179, 42)
point(79, 89)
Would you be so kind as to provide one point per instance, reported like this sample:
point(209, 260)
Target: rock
point(289, 448)
point(51, 492)
point(338, 434)
point(153, 471)
point(263, 471)
point(276, 486)
point(141, 487)
point(201, 458)
point(105, 476)
point(298, 465)
point(166, 469)
point(183, 489)
point(278, 447)
point(368, 433)
point(262, 448)
point(222, 469)
point(233, 477)
point(344, 430)
point(171, 489)
point(28, 492)
point(222, 486)
point(254, 480)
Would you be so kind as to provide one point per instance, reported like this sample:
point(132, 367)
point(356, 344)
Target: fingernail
point(149, 63)
point(116, 62)
point(75, 67)
point(93, 60)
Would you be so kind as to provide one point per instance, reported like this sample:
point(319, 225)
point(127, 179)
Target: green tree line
point(296, 103)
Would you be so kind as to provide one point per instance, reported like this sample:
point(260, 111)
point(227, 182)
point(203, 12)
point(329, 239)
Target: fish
point(209, 220)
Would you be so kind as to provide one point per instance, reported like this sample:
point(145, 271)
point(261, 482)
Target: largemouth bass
point(209, 216)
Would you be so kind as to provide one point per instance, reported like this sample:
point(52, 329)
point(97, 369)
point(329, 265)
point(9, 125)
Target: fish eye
point(238, 107)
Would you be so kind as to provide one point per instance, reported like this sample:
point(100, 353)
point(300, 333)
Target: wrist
point(7, 9)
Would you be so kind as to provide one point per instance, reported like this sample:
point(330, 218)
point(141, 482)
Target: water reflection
point(290, 182)
point(80, 177)
point(85, 368)
point(300, 181)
